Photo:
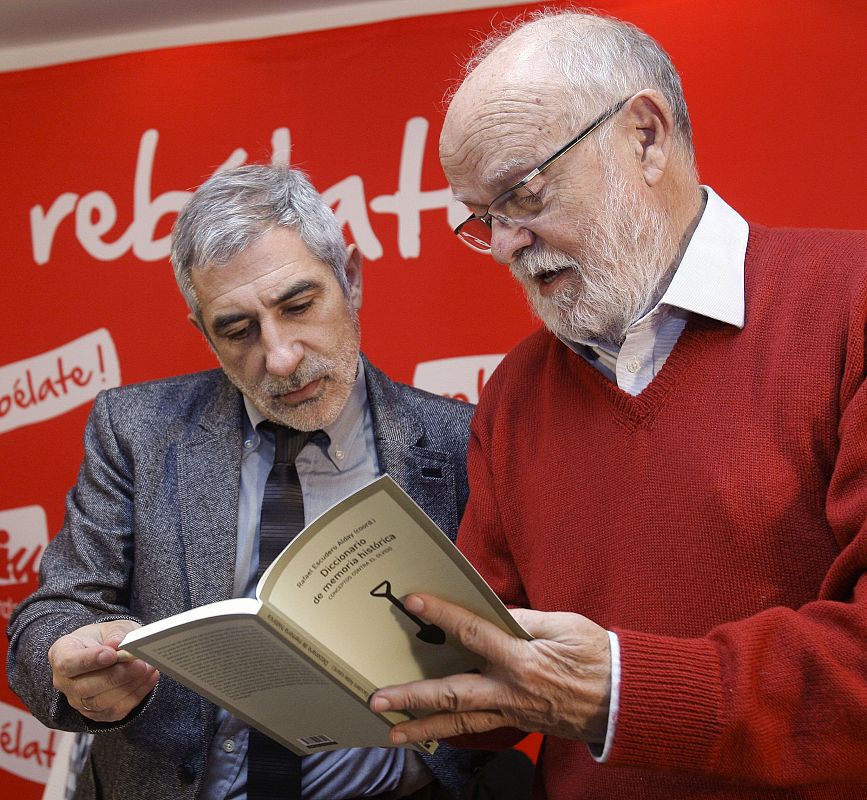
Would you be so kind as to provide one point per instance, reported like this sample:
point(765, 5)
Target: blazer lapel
point(403, 450)
point(209, 479)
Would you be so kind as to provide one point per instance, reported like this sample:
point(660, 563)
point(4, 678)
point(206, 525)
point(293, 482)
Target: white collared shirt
point(709, 281)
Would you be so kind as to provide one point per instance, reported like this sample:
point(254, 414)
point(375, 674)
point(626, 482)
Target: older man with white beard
point(668, 482)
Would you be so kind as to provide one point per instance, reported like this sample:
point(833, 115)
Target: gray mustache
point(309, 371)
point(535, 262)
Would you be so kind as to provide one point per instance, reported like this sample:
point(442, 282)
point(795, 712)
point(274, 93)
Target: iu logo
point(23, 537)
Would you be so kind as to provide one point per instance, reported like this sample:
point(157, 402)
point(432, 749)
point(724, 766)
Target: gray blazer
point(150, 531)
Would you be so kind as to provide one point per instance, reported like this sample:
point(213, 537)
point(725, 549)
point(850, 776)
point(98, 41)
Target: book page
point(233, 659)
point(345, 575)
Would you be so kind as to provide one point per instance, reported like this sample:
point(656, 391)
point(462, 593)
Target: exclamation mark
point(101, 362)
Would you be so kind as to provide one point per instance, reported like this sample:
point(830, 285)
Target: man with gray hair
point(165, 515)
point(670, 481)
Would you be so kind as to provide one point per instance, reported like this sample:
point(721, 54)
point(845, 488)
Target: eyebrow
point(223, 321)
point(496, 180)
point(508, 168)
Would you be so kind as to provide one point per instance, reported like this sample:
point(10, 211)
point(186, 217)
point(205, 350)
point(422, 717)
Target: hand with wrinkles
point(558, 683)
point(99, 681)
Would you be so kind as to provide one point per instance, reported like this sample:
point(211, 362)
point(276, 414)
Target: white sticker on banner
point(27, 747)
point(461, 378)
point(55, 382)
point(72, 751)
point(23, 537)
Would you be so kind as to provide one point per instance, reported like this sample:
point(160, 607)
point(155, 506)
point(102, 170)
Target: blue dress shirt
point(333, 464)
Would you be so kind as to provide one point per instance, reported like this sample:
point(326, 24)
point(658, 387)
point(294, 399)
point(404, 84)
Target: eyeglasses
point(518, 205)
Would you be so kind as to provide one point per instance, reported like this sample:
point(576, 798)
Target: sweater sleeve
point(778, 698)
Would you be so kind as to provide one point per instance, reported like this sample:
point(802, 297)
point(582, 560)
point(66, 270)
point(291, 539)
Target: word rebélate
point(94, 215)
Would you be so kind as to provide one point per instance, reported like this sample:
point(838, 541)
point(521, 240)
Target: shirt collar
point(710, 277)
point(343, 431)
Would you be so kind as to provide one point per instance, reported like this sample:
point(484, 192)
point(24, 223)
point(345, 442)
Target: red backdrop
point(96, 156)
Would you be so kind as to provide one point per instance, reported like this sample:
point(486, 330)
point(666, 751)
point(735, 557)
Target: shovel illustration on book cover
point(432, 634)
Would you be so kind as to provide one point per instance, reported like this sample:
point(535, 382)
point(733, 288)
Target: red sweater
point(717, 522)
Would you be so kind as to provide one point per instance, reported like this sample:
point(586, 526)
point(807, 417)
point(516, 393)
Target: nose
point(282, 356)
point(508, 240)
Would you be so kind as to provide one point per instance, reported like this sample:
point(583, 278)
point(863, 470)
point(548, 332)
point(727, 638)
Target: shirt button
point(229, 745)
point(338, 454)
point(248, 444)
point(634, 365)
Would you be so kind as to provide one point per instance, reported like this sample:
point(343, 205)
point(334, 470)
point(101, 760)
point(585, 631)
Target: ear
point(196, 324)
point(353, 275)
point(651, 131)
point(200, 328)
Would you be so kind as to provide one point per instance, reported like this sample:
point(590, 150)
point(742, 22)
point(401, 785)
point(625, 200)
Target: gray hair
point(234, 208)
point(602, 60)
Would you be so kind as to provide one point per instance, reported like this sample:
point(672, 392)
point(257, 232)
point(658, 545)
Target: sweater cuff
point(670, 713)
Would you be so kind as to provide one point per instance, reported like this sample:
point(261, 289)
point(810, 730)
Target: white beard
point(625, 257)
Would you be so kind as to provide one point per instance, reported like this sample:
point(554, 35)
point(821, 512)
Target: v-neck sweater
point(717, 522)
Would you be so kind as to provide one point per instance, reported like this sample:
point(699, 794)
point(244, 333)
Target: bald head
point(594, 61)
point(530, 89)
point(592, 230)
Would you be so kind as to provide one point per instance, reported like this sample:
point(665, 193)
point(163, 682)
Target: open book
point(327, 627)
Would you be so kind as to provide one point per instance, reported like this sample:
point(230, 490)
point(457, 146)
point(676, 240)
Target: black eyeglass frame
point(487, 217)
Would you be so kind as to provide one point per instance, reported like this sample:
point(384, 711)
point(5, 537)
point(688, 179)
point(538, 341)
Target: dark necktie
point(273, 772)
